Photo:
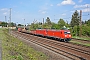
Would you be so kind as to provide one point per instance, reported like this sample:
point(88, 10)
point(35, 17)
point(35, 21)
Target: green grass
point(80, 43)
point(83, 38)
point(14, 49)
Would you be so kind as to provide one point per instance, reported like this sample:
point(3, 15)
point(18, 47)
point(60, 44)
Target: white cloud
point(43, 9)
point(80, 1)
point(14, 6)
point(5, 13)
point(21, 2)
point(22, 18)
point(66, 2)
point(82, 6)
point(83, 10)
point(44, 12)
point(58, 4)
point(39, 10)
point(63, 14)
point(4, 9)
point(86, 10)
point(51, 5)
point(74, 11)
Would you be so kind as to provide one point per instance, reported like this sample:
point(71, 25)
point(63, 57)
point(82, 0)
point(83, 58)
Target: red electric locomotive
point(41, 32)
point(62, 35)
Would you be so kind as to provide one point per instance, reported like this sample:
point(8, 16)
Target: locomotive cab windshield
point(66, 32)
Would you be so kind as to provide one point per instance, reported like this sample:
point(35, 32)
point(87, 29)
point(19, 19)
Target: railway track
point(81, 42)
point(73, 52)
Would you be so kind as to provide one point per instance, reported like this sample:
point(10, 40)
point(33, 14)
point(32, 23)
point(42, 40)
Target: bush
point(86, 30)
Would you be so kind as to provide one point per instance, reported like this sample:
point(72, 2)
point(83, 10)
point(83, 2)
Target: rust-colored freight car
point(19, 29)
point(62, 35)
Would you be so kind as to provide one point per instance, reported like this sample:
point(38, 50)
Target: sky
point(29, 11)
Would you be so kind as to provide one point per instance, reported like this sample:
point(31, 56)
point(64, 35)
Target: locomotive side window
point(61, 32)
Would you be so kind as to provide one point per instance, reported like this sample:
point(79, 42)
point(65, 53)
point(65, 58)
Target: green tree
point(88, 22)
point(4, 24)
point(54, 26)
point(75, 19)
point(12, 24)
point(75, 31)
point(86, 30)
point(20, 25)
point(75, 22)
point(34, 26)
point(48, 23)
point(40, 26)
point(61, 23)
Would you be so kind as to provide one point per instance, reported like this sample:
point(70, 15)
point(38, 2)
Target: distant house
point(0, 26)
point(0, 22)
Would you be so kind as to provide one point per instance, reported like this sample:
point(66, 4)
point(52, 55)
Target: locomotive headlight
point(65, 35)
point(69, 35)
